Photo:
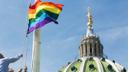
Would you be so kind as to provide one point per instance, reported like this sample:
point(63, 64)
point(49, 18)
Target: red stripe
point(38, 3)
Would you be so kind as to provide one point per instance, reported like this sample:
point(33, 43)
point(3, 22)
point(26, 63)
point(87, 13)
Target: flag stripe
point(42, 17)
point(41, 12)
point(37, 4)
point(40, 24)
point(34, 22)
point(45, 7)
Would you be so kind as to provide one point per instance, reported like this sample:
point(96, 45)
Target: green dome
point(93, 64)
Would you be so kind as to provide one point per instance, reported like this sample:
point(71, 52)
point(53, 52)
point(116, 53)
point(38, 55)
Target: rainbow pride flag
point(42, 13)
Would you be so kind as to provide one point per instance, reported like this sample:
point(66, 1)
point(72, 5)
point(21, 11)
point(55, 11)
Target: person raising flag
point(4, 62)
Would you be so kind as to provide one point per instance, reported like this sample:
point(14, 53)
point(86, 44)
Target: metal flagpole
point(36, 50)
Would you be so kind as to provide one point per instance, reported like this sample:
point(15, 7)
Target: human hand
point(21, 55)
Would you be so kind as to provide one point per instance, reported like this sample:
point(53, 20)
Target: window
point(90, 49)
point(95, 50)
point(86, 48)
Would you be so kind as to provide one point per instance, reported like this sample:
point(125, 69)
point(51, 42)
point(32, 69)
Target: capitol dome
point(92, 58)
point(93, 64)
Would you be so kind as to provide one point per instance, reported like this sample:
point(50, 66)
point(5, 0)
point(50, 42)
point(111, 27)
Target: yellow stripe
point(49, 8)
point(31, 16)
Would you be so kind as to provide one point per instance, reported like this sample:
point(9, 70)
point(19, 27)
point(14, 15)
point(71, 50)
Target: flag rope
point(26, 51)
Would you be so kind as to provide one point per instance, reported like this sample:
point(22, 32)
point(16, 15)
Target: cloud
point(114, 34)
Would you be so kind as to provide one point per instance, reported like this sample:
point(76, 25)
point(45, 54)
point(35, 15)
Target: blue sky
point(60, 42)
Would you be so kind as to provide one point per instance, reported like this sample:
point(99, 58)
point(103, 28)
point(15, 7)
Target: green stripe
point(39, 13)
point(52, 15)
point(31, 20)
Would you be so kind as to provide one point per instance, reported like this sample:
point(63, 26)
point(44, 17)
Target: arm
point(11, 60)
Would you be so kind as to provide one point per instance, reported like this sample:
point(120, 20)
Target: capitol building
point(92, 58)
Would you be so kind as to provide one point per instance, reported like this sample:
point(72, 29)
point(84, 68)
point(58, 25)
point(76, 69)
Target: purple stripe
point(40, 24)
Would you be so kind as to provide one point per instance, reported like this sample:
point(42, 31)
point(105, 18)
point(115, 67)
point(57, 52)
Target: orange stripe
point(46, 3)
point(32, 11)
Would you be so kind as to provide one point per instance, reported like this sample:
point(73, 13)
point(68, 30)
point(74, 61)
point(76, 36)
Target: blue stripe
point(39, 19)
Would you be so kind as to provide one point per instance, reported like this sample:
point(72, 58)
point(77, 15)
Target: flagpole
point(36, 50)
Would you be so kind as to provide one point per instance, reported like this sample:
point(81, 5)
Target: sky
point(60, 42)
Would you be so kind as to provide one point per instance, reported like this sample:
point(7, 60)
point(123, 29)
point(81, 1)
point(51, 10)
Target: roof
point(94, 64)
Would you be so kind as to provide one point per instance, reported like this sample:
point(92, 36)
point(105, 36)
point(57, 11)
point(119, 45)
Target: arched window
point(86, 49)
point(90, 49)
point(95, 48)
point(82, 48)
